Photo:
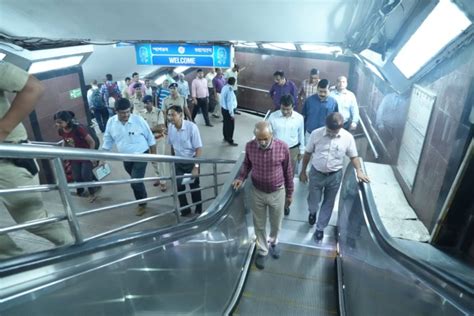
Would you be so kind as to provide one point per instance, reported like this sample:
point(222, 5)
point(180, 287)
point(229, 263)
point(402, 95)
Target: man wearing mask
point(268, 160)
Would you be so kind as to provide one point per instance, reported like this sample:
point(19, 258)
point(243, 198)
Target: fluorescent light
point(279, 46)
point(53, 64)
point(321, 49)
point(443, 24)
point(180, 69)
point(2, 55)
point(160, 79)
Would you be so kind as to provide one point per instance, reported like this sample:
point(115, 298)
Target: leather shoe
point(287, 211)
point(318, 235)
point(233, 144)
point(210, 125)
point(260, 262)
point(312, 219)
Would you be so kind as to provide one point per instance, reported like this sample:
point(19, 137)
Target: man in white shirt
point(132, 135)
point(347, 104)
point(212, 98)
point(327, 145)
point(234, 72)
point(288, 126)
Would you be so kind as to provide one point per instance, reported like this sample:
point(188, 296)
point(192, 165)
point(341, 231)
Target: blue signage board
point(183, 55)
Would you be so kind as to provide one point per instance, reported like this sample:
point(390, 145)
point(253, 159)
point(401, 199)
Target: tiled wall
point(447, 134)
point(259, 69)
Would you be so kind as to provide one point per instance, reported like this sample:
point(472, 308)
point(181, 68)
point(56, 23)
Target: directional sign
point(184, 55)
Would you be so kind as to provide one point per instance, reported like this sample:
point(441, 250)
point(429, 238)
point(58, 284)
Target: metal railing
point(71, 213)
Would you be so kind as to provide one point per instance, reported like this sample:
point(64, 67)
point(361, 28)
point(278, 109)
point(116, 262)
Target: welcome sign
point(184, 55)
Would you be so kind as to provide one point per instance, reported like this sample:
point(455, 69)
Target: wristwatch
point(196, 165)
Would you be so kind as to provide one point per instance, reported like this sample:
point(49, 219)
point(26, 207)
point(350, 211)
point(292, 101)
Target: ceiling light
point(2, 55)
point(321, 49)
point(180, 69)
point(160, 80)
point(441, 26)
point(280, 46)
point(53, 64)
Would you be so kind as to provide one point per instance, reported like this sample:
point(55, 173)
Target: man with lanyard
point(185, 141)
point(288, 126)
point(132, 135)
point(327, 145)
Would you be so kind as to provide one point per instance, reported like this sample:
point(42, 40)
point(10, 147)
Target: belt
point(297, 145)
point(327, 174)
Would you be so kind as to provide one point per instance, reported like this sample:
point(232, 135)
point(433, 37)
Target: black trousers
point(202, 104)
point(212, 100)
point(137, 170)
point(228, 127)
point(101, 116)
point(181, 169)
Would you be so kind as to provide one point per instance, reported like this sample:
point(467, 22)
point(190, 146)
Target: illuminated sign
point(183, 55)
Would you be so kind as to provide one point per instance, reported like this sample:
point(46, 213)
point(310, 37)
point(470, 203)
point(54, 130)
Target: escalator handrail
point(445, 283)
point(215, 212)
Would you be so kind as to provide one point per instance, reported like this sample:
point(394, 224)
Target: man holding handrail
point(15, 172)
point(327, 146)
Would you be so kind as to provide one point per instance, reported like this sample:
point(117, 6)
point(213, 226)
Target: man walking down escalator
point(268, 160)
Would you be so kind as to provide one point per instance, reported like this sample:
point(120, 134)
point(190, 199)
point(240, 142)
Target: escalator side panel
point(194, 275)
point(375, 283)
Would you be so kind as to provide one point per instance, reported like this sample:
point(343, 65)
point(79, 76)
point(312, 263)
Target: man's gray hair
point(263, 126)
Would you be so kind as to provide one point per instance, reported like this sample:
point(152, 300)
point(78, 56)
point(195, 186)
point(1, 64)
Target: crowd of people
point(139, 118)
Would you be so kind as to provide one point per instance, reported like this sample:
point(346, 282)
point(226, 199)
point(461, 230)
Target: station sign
point(184, 55)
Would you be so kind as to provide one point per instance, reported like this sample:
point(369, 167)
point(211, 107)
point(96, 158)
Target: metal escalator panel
point(301, 282)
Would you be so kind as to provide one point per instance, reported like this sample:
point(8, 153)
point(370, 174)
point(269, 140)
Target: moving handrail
point(365, 245)
point(58, 154)
point(369, 139)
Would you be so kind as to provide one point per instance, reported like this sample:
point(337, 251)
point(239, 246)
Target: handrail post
point(175, 190)
point(216, 192)
point(69, 208)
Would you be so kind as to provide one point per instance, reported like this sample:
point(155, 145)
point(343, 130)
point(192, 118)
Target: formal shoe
point(157, 183)
point(287, 211)
point(312, 219)
point(318, 235)
point(260, 262)
point(198, 210)
point(163, 187)
point(209, 125)
point(186, 212)
point(237, 112)
point(275, 251)
point(141, 210)
point(233, 144)
point(215, 115)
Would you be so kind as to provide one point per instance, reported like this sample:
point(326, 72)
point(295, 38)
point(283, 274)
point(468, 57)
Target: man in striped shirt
point(272, 178)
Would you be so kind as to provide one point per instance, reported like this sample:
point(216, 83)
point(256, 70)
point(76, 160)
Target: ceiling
point(350, 24)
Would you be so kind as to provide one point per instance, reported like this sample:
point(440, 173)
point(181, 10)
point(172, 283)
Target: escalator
point(205, 267)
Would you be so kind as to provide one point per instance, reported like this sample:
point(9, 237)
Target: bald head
point(263, 134)
point(341, 83)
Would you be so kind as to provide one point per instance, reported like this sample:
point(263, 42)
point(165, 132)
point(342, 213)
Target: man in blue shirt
point(229, 105)
point(185, 141)
point(317, 107)
point(132, 135)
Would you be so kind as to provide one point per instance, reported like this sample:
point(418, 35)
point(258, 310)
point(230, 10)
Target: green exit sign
point(75, 93)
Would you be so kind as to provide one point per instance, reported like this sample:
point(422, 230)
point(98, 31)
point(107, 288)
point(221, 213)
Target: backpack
point(91, 131)
point(112, 89)
point(96, 98)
